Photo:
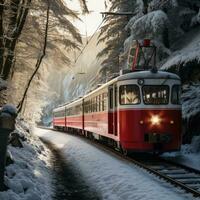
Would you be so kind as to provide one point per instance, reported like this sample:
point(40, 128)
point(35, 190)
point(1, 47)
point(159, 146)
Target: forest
point(38, 41)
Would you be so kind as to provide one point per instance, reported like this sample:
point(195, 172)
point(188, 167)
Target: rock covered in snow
point(9, 109)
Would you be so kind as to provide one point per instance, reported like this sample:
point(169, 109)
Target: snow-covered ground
point(29, 177)
point(112, 178)
point(189, 154)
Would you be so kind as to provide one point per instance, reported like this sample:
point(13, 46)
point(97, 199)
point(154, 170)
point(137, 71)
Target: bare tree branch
point(39, 61)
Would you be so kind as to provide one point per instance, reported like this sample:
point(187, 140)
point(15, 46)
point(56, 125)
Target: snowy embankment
point(28, 178)
point(110, 177)
point(189, 154)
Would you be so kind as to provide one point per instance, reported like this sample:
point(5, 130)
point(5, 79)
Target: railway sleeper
point(183, 176)
point(189, 181)
point(194, 185)
point(168, 172)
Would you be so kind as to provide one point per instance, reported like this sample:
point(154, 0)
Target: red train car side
point(138, 111)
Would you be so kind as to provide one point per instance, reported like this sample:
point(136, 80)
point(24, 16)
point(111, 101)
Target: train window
point(111, 98)
point(129, 95)
point(116, 96)
point(155, 94)
point(100, 103)
point(176, 93)
point(96, 106)
point(104, 101)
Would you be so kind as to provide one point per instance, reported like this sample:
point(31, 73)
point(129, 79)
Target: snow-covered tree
point(113, 34)
point(63, 37)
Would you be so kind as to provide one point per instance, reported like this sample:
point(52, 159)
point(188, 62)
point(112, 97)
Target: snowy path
point(112, 178)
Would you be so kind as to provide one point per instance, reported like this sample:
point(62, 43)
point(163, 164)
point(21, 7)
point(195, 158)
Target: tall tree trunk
point(145, 9)
point(39, 61)
point(1, 35)
point(17, 23)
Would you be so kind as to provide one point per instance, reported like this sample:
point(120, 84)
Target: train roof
point(148, 75)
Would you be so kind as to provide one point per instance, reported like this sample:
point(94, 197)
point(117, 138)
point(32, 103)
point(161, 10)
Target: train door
point(112, 114)
point(110, 110)
point(115, 113)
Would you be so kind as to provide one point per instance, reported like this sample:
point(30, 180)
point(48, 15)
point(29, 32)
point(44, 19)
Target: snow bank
point(28, 178)
point(189, 154)
point(193, 148)
point(112, 178)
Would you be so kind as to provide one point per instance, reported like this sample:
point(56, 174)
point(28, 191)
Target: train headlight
point(155, 120)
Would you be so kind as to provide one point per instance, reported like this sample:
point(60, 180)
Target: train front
point(150, 112)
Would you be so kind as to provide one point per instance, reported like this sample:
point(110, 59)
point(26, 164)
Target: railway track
point(177, 174)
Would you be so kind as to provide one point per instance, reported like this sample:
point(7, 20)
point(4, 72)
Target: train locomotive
point(134, 112)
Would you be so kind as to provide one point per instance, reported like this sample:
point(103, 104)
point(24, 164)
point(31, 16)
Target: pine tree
point(113, 33)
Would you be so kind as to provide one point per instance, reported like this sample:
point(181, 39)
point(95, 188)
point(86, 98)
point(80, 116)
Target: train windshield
point(129, 95)
point(155, 94)
point(176, 93)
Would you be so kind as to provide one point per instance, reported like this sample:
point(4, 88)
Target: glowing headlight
point(155, 120)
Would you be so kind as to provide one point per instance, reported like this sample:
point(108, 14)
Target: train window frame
point(125, 104)
point(100, 103)
point(168, 98)
point(179, 100)
point(111, 102)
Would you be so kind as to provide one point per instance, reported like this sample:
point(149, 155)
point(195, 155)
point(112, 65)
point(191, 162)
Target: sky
point(91, 21)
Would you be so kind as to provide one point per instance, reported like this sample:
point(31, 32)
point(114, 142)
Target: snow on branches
point(150, 26)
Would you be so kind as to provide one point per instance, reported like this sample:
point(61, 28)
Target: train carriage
point(59, 121)
point(138, 111)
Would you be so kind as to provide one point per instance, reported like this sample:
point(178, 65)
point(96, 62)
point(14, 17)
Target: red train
point(138, 111)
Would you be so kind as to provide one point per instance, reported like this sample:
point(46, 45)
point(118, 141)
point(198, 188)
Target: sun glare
point(91, 21)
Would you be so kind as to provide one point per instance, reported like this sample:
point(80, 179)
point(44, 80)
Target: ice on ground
point(113, 178)
point(29, 177)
